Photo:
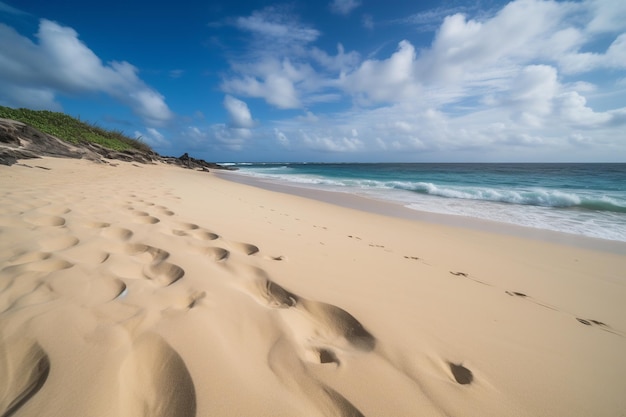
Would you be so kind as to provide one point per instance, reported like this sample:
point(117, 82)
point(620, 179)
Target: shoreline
point(393, 209)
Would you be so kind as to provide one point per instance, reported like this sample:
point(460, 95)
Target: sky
point(330, 80)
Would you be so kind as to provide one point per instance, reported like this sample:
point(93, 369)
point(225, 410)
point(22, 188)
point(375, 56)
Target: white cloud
point(389, 80)
point(518, 33)
point(276, 88)
point(530, 97)
point(36, 98)
point(367, 21)
point(152, 137)
point(279, 64)
point(429, 20)
point(581, 62)
point(309, 117)
point(62, 64)
point(240, 116)
point(502, 85)
point(216, 137)
point(10, 9)
point(344, 7)
point(277, 25)
point(281, 138)
point(229, 138)
point(608, 16)
point(341, 62)
point(148, 104)
point(323, 143)
point(572, 107)
point(176, 73)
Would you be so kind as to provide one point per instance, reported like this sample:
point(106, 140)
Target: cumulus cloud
point(280, 65)
point(608, 16)
point(277, 88)
point(344, 7)
point(240, 116)
point(572, 107)
point(388, 80)
point(519, 77)
point(531, 94)
point(60, 63)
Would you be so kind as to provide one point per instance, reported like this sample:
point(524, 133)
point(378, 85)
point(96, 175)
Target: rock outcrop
point(21, 141)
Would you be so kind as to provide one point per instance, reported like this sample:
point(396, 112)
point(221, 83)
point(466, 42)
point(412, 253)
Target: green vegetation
point(73, 130)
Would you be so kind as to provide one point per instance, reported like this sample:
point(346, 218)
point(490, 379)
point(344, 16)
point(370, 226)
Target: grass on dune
point(73, 130)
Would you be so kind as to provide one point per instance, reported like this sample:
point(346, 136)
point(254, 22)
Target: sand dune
point(156, 291)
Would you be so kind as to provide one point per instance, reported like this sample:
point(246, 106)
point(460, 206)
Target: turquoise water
point(583, 199)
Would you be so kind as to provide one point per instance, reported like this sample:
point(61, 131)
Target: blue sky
point(333, 80)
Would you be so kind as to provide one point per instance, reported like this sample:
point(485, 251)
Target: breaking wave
point(533, 197)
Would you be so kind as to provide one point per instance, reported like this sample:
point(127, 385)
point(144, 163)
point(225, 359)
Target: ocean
point(581, 199)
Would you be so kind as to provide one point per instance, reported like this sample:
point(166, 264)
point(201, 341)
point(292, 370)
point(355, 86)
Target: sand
point(149, 290)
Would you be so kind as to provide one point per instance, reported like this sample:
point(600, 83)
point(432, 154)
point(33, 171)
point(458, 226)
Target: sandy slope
point(156, 291)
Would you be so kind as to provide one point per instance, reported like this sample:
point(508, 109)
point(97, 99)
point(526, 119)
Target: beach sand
point(150, 290)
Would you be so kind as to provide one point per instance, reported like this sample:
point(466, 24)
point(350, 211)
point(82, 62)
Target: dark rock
point(186, 161)
point(9, 139)
point(11, 156)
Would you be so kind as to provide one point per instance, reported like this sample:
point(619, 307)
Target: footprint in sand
point(117, 233)
point(291, 371)
point(43, 220)
point(46, 264)
point(461, 374)
point(587, 322)
point(146, 219)
point(164, 210)
point(529, 298)
point(24, 369)
point(466, 275)
point(215, 253)
point(195, 299)
point(154, 380)
point(96, 225)
point(132, 261)
point(57, 243)
point(26, 257)
point(326, 320)
point(202, 234)
point(246, 248)
point(55, 210)
point(157, 269)
point(516, 294)
point(186, 226)
point(598, 324)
